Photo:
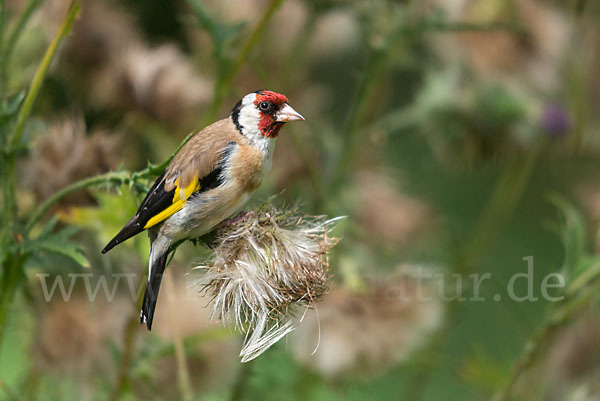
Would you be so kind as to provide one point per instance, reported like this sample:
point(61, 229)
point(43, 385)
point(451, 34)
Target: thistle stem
point(535, 345)
point(7, 48)
point(40, 74)
point(373, 71)
point(129, 335)
point(117, 178)
point(241, 381)
point(370, 78)
point(13, 262)
point(102, 179)
point(183, 374)
point(223, 84)
point(505, 197)
point(11, 269)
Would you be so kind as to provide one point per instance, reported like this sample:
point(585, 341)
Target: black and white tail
point(156, 269)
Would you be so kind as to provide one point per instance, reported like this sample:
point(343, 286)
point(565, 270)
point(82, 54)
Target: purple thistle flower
point(555, 121)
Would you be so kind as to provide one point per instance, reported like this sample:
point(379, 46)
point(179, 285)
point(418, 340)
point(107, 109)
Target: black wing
point(155, 201)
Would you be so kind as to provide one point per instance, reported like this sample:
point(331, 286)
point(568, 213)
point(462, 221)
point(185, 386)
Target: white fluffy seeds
point(264, 265)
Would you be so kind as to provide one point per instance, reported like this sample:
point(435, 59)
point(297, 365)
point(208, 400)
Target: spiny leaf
point(10, 107)
point(48, 227)
point(571, 228)
point(70, 249)
point(106, 219)
point(580, 267)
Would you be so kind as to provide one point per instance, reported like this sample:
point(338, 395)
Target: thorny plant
point(21, 238)
point(16, 244)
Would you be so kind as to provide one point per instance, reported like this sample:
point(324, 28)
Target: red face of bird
point(263, 113)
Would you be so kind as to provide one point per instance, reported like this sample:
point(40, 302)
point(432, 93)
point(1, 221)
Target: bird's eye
point(264, 106)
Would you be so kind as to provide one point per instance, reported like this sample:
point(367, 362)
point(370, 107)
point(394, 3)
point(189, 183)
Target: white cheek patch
point(248, 119)
point(249, 116)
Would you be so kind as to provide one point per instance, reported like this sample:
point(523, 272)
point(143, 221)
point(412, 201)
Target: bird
point(207, 181)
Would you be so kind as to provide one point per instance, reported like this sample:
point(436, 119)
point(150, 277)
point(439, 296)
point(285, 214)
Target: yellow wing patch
point(179, 199)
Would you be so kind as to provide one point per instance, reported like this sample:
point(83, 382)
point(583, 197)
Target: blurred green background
point(458, 137)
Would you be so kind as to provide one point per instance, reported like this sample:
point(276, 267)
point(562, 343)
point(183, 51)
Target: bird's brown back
point(202, 153)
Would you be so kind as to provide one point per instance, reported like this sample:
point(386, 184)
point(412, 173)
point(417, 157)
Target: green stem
point(183, 374)
point(373, 72)
point(424, 364)
point(2, 60)
point(242, 380)
point(32, 384)
point(505, 197)
point(370, 77)
point(223, 84)
point(13, 263)
point(129, 335)
point(11, 270)
point(10, 209)
point(40, 74)
point(534, 346)
point(2, 17)
point(434, 26)
point(297, 53)
point(120, 178)
point(117, 178)
point(9, 197)
point(252, 40)
point(8, 47)
point(126, 357)
point(10, 394)
point(103, 179)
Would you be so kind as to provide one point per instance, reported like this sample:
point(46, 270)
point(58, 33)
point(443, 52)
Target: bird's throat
point(273, 130)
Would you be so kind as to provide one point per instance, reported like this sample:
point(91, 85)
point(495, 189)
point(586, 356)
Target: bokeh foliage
point(459, 140)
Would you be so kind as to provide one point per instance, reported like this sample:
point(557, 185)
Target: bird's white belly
point(202, 213)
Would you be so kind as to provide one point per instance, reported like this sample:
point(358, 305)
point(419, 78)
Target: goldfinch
point(208, 181)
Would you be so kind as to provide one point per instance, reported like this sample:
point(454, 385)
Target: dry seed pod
point(265, 264)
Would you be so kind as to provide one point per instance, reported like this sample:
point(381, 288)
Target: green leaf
point(580, 266)
point(70, 249)
point(48, 227)
point(571, 228)
point(589, 271)
point(108, 217)
point(58, 243)
point(11, 106)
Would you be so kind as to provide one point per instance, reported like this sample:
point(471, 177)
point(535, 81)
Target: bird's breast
point(242, 174)
point(246, 167)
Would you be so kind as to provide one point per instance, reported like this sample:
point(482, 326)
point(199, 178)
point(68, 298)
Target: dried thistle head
point(265, 263)
point(515, 58)
point(66, 153)
point(160, 81)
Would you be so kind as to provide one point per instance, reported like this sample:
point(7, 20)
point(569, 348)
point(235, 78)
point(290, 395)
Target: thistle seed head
point(265, 265)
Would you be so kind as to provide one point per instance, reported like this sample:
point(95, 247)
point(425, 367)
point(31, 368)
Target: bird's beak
point(287, 113)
